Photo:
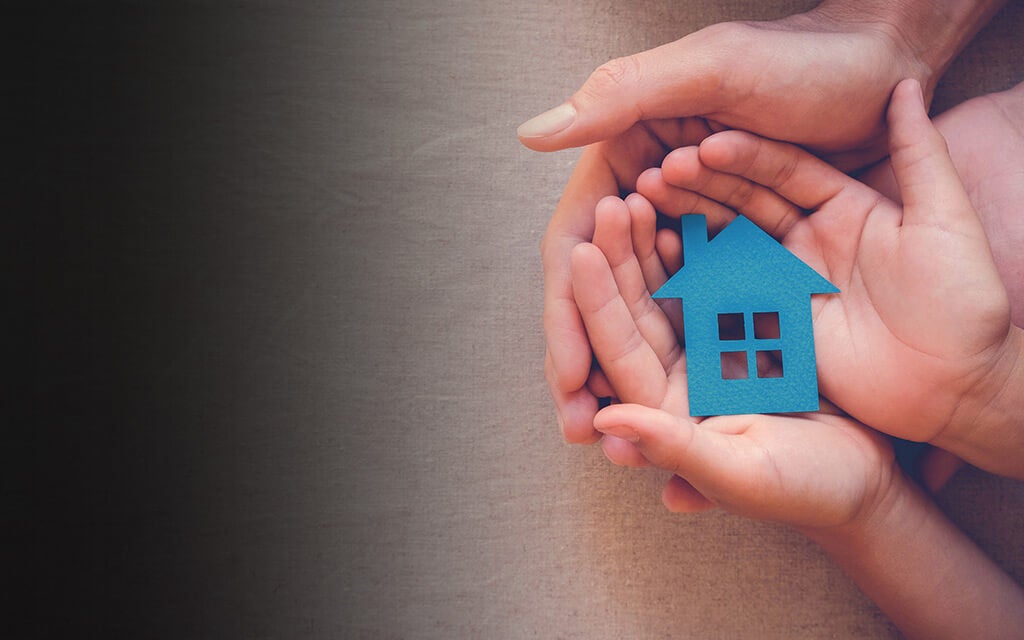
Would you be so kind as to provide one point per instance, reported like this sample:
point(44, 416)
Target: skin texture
point(824, 473)
point(920, 343)
point(985, 136)
point(633, 110)
point(768, 467)
point(827, 475)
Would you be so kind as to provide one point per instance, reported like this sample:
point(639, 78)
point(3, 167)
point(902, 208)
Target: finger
point(701, 456)
point(670, 249)
point(696, 129)
point(936, 467)
point(629, 362)
point(622, 452)
point(602, 170)
point(675, 201)
point(571, 224)
point(669, 246)
point(643, 224)
point(613, 236)
point(575, 410)
point(679, 496)
point(683, 170)
point(598, 384)
point(791, 172)
point(928, 181)
point(665, 82)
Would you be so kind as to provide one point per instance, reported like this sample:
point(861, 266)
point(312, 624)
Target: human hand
point(604, 169)
point(741, 74)
point(820, 79)
point(985, 136)
point(920, 343)
point(833, 479)
point(811, 470)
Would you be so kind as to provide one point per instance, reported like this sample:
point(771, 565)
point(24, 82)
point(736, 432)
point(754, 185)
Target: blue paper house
point(743, 293)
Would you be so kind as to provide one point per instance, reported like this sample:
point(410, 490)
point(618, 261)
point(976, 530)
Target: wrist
point(923, 36)
point(923, 572)
point(882, 512)
point(987, 427)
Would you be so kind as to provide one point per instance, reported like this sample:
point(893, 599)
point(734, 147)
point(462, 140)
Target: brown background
point(284, 293)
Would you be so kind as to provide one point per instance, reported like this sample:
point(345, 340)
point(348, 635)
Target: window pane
point(730, 326)
point(769, 364)
point(734, 365)
point(766, 325)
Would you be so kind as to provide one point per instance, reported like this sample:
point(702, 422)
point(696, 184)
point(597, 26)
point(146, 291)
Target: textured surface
point(740, 274)
point(283, 296)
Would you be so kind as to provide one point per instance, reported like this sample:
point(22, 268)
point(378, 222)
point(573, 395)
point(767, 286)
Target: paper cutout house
point(744, 280)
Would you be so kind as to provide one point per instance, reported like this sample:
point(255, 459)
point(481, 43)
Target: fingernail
point(621, 431)
point(548, 123)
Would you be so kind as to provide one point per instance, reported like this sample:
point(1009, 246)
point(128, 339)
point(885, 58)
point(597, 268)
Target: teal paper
point(745, 271)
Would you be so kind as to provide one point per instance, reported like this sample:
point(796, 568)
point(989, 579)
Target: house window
point(750, 345)
point(734, 365)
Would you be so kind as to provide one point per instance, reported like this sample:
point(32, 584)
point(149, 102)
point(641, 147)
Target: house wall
point(711, 394)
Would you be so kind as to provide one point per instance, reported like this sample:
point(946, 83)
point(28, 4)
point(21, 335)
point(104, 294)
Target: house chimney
point(695, 236)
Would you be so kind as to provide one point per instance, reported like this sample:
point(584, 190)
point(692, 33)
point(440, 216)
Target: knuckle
point(728, 32)
point(786, 170)
point(620, 353)
point(613, 75)
point(742, 195)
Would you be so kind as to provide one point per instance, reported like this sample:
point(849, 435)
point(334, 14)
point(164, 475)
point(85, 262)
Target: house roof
point(742, 258)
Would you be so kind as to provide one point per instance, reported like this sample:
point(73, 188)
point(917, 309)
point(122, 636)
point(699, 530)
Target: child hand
point(812, 470)
point(919, 343)
point(605, 168)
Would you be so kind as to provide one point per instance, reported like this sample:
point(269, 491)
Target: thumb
point(701, 456)
point(929, 184)
point(659, 83)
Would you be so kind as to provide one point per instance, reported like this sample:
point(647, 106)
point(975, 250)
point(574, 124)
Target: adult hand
point(811, 79)
point(920, 343)
point(820, 79)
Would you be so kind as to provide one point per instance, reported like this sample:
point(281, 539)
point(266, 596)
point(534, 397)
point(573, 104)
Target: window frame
point(750, 344)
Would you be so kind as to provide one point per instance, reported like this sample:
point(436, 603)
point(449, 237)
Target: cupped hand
point(818, 79)
point(919, 342)
point(985, 136)
point(810, 470)
point(604, 169)
point(632, 111)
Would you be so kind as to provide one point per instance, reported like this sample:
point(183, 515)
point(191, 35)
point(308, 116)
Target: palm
point(606, 168)
point(916, 296)
point(752, 76)
point(986, 142)
point(810, 470)
point(922, 309)
point(813, 470)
